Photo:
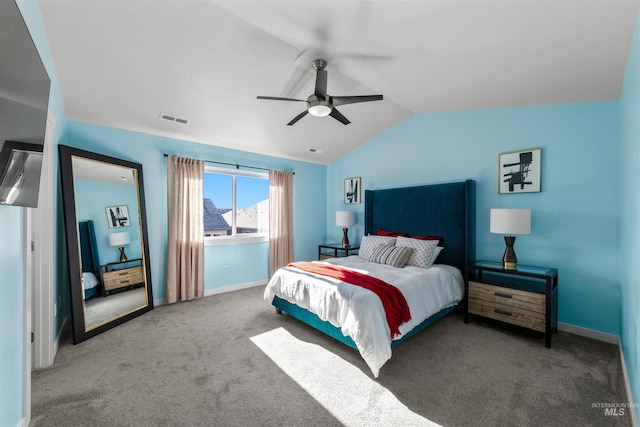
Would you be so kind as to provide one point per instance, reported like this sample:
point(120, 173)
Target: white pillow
point(369, 243)
point(89, 280)
point(436, 252)
point(422, 251)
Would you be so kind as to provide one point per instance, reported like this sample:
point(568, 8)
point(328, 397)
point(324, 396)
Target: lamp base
point(123, 257)
point(345, 238)
point(510, 265)
point(509, 260)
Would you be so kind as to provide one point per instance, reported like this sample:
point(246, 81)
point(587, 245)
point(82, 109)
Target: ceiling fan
point(320, 104)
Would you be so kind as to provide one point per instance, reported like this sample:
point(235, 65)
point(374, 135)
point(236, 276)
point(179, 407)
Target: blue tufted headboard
point(89, 248)
point(447, 210)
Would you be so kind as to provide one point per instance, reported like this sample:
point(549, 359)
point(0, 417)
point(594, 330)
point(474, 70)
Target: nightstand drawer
point(515, 306)
point(122, 278)
point(512, 315)
point(508, 297)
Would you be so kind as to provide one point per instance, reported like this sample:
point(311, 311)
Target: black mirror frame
point(66, 154)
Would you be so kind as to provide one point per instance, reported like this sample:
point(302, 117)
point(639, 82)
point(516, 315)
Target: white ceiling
point(120, 63)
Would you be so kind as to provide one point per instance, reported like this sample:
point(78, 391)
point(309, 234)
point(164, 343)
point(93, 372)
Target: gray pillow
point(395, 256)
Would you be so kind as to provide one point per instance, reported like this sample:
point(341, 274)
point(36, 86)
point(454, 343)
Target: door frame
point(39, 310)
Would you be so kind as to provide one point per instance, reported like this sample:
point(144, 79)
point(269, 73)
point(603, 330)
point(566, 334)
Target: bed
point(442, 212)
point(89, 259)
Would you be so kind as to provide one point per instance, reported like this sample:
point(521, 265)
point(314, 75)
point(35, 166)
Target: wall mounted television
point(24, 101)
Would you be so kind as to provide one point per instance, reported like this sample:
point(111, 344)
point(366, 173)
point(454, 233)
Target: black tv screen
point(24, 101)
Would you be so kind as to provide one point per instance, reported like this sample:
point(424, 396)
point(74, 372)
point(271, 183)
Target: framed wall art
point(352, 190)
point(519, 171)
point(118, 216)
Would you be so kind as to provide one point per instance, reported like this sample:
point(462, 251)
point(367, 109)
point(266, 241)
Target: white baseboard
point(234, 288)
point(627, 386)
point(56, 342)
point(589, 333)
point(216, 291)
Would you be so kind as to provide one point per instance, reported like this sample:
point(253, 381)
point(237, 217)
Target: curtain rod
point(238, 166)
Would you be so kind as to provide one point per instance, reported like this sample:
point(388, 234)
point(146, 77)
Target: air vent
point(175, 119)
point(314, 150)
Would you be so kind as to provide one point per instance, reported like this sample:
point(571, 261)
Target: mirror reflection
point(109, 228)
point(104, 211)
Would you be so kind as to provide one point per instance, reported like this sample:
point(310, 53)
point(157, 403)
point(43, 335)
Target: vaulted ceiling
point(121, 63)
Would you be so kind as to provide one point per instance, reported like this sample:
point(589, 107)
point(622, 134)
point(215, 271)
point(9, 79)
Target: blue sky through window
point(250, 190)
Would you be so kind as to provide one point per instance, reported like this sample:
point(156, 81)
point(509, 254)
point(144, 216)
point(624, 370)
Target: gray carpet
point(194, 364)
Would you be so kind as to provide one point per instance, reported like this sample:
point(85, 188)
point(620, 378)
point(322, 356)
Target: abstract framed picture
point(519, 171)
point(352, 190)
point(118, 216)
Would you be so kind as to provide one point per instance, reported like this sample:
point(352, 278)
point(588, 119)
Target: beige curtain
point(280, 219)
point(185, 254)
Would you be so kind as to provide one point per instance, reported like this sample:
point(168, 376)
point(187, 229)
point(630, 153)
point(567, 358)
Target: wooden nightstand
point(526, 296)
point(335, 250)
point(120, 275)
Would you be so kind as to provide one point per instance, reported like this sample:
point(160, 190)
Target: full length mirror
point(106, 233)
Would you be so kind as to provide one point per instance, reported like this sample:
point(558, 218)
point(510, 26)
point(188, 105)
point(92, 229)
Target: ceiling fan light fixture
point(320, 104)
point(319, 108)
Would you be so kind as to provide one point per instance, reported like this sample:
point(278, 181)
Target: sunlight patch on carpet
point(345, 391)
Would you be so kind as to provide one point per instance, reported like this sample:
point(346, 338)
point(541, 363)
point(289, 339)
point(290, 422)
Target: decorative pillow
point(438, 238)
point(422, 250)
point(436, 252)
point(369, 243)
point(382, 232)
point(395, 256)
point(89, 280)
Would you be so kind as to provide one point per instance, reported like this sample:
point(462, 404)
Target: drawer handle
point(124, 281)
point(506, 313)
point(500, 294)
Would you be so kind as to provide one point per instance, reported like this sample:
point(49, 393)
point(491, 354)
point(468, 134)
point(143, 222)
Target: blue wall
point(11, 315)
point(225, 265)
point(574, 218)
point(630, 212)
point(92, 199)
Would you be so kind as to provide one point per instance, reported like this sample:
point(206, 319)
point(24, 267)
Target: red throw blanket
point(394, 304)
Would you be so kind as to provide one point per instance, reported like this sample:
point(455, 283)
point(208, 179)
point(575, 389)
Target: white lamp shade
point(510, 221)
point(119, 239)
point(345, 218)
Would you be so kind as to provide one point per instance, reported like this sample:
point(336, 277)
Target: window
point(236, 205)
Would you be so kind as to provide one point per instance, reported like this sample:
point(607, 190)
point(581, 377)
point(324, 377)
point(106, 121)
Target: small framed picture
point(519, 171)
point(118, 216)
point(352, 190)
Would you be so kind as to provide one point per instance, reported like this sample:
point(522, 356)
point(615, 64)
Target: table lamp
point(510, 221)
point(120, 239)
point(345, 219)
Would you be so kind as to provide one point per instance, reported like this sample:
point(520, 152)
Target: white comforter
point(357, 311)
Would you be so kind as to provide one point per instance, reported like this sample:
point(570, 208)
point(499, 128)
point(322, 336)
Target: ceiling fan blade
point(321, 83)
point(342, 100)
point(277, 98)
point(296, 118)
point(339, 117)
